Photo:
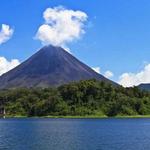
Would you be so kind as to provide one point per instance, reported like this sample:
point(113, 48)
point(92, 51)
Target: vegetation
point(84, 98)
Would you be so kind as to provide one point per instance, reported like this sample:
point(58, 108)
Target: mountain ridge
point(144, 86)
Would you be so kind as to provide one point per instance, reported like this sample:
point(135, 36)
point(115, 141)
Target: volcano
point(50, 66)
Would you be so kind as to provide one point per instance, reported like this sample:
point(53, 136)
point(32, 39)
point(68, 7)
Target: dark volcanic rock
point(50, 66)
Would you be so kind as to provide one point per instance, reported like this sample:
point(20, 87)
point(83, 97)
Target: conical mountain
point(50, 66)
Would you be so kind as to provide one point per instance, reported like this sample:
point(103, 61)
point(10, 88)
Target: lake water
point(74, 134)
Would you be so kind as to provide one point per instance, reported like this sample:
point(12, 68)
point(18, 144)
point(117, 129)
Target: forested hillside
point(82, 98)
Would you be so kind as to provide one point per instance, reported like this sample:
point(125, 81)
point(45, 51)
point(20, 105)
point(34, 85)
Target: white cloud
point(96, 69)
point(133, 79)
point(61, 26)
point(108, 74)
point(5, 33)
point(6, 65)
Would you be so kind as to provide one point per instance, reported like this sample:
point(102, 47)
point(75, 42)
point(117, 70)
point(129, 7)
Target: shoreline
point(80, 117)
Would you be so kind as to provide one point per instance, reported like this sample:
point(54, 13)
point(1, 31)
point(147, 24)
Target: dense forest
point(82, 98)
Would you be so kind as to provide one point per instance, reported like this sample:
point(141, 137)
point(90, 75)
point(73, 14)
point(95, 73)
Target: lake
point(74, 134)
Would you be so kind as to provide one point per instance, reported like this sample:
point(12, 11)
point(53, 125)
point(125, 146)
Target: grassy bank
point(79, 117)
point(134, 116)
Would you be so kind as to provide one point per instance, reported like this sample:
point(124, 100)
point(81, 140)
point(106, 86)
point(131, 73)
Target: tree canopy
point(88, 97)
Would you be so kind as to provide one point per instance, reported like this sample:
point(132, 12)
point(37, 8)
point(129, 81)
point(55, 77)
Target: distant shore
point(80, 117)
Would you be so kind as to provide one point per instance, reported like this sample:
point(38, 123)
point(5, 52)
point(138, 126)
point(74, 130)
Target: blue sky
point(117, 33)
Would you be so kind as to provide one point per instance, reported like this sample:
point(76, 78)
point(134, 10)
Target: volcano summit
point(50, 66)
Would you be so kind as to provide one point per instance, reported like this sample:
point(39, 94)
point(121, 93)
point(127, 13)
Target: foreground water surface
point(75, 134)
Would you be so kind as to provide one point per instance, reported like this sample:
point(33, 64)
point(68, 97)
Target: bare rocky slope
point(50, 66)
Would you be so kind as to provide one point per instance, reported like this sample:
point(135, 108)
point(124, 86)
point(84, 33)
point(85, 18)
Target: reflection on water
point(75, 134)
